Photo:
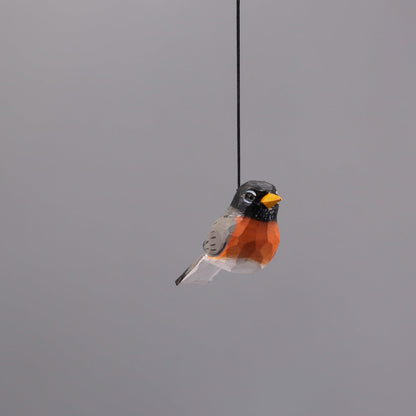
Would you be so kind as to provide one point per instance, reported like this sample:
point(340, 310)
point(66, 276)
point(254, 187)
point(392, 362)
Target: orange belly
point(253, 240)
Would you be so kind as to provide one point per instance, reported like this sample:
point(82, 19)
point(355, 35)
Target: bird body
point(244, 239)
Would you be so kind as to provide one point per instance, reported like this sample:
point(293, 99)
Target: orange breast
point(252, 239)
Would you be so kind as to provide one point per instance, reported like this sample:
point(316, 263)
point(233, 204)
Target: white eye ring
point(249, 197)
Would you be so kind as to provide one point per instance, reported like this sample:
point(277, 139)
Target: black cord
point(238, 94)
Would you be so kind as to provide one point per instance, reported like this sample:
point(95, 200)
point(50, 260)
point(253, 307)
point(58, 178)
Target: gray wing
point(220, 232)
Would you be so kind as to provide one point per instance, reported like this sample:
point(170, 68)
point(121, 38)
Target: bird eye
point(249, 196)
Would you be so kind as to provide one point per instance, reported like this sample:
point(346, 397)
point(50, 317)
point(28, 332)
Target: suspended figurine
point(244, 239)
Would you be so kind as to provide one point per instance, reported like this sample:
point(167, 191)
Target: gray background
point(118, 152)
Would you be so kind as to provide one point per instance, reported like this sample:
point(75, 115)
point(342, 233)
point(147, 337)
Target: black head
point(257, 200)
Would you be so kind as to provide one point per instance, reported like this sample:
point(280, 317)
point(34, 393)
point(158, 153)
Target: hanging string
point(238, 93)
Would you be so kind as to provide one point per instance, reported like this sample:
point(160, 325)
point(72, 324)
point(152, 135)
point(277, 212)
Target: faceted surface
point(252, 239)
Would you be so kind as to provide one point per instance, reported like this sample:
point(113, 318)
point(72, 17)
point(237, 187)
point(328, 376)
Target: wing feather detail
point(220, 233)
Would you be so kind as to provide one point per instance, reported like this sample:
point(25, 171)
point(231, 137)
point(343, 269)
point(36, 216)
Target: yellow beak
point(270, 200)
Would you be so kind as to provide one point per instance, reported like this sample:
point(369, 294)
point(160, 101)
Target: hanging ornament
point(246, 237)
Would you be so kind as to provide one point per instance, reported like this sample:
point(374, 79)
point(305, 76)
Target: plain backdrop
point(117, 153)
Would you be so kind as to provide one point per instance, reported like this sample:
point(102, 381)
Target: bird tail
point(201, 271)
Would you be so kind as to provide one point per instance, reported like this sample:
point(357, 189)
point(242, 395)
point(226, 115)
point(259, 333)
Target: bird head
point(258, 200)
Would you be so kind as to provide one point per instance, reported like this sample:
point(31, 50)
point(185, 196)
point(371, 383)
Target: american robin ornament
point(244, 239)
